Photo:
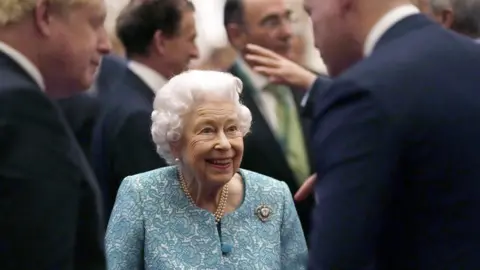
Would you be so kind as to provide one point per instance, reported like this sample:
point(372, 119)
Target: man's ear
point(42, 16)
point(446, 18)
point(158, 43)
point(236, 35)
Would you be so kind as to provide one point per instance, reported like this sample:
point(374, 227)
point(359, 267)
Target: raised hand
point(278, 68)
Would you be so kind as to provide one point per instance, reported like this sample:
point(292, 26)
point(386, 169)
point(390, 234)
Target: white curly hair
point(181, 94)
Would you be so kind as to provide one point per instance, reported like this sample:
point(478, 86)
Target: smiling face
point(211, 147)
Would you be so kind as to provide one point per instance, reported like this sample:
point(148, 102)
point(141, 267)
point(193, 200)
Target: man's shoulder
point(129, 89)
point(123, 108)
point(420, 60)
point(20, 94)
point(126, 99)
point(123, 113)
point(412, 78)
point(13, 81)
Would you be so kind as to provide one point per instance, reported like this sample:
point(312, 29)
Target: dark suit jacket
point(308, 101)
point(111, 71)
point(122, 143)
point(49, 217)
point(264, 154)
point(398, 156)
point(81, 113)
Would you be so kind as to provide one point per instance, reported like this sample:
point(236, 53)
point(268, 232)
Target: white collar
point(150, 77)
point(23, 62)
point(259, 81)
point(386, 22)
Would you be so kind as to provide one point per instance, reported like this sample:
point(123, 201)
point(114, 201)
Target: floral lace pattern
point(154, 226)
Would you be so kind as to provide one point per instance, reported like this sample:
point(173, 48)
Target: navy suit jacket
point(81, 112)
point(308, 101)
point(122, 144)
point(397, 141)
point(49, 212)
point(111, 71)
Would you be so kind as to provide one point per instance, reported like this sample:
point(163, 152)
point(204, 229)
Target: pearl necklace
point(219, 212)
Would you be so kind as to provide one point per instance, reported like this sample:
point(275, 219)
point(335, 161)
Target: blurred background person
point(279, 144)
point(49, 200)
point(159, 41)
point(216, 52)
point(461, 16)
point(204, 211)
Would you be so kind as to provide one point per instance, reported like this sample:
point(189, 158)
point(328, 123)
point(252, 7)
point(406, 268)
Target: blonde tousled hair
point(12, 11)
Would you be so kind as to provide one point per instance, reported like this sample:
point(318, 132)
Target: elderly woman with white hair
point(203, 212)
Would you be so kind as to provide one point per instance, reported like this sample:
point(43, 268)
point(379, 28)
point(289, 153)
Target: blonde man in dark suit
point(50, 217)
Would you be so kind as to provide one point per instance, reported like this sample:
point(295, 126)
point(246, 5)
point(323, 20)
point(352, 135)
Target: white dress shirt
point(386, 22)
point(150, 77)
point(26, 64)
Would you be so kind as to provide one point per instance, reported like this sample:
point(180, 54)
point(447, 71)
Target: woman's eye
point(232, 129)
point(207, 130)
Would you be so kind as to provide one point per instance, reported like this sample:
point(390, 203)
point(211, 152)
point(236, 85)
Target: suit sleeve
point(39, 186)
point(294, 248)
point(355, 149)
point(125, 237)
point(133, 147)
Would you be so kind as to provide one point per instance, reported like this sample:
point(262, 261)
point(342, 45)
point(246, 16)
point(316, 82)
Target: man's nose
point(286, 30)
point(194, 52)
point(104, 45)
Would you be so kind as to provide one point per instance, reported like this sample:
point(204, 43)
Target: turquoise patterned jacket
point(153, 226)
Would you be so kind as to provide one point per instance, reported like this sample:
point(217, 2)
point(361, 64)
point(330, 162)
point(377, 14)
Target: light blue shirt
point(154, 226)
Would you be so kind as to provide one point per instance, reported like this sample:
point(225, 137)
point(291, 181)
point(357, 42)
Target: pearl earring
point(177, 160)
